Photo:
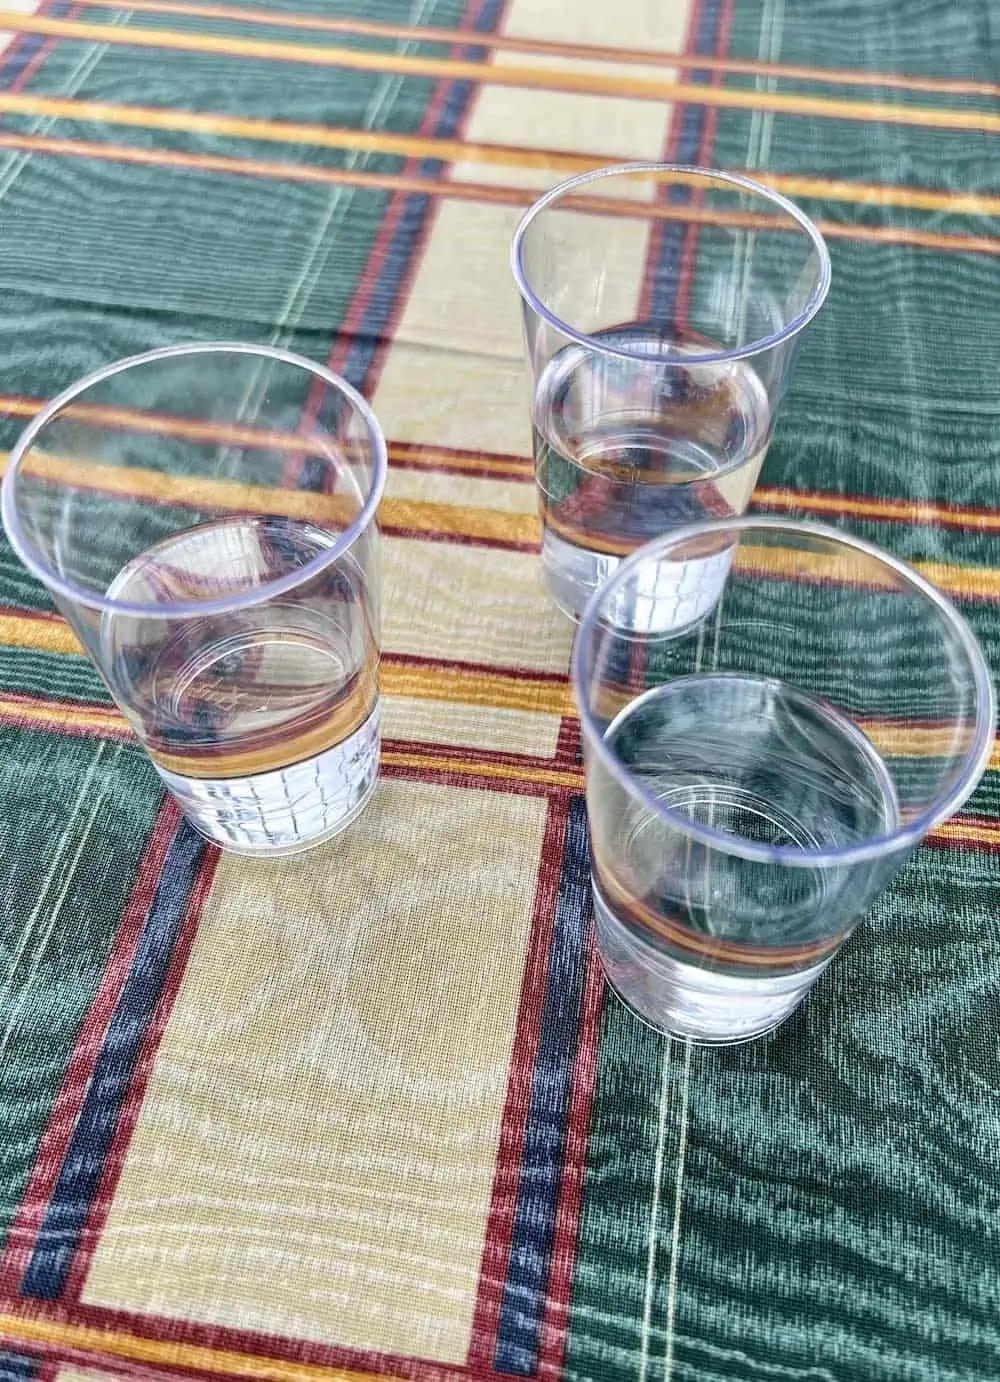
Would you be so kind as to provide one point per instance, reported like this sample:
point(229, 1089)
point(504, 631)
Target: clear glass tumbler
point(754, 781)
point(204, 517)
point(662, 307)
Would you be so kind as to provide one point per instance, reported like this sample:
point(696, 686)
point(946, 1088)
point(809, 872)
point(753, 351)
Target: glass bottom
point(573, 573)
point(707, 1007)
point(676, 596)
point(289, 810)
point(693, 1041)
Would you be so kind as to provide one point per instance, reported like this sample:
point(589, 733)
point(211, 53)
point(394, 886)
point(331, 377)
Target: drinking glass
point(662, 308)
point(204, 517)
point(756, 779)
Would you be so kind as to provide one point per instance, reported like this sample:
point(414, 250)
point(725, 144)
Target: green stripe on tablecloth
point(76, 817)
point(28, 673)
point(185, 242)
point(837, 1188)
point(51, 343)
point(931, 38)
point(894, 391)
point(235, 255)
point(254, 88)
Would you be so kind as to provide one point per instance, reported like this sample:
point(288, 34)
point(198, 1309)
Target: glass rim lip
point(58, 585)
point(906, 836)
point(737, 180)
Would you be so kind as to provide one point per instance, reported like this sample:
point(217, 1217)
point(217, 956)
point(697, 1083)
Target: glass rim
point(905, 836)
point(179, 609)
point(737, 180)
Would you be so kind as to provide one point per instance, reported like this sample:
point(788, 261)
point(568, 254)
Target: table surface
point(370, 1112)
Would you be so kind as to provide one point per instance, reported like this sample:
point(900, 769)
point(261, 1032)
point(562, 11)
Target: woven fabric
point(370, 1111)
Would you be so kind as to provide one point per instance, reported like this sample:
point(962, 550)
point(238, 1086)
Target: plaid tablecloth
point(370, 1112)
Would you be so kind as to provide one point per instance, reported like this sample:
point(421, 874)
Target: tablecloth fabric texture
point(370, 1111)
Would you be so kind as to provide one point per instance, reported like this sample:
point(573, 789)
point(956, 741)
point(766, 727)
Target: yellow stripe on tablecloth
point(280, 442)
point(48, 714)
point(613, 52)
point(483, 569)
point(190, 428)
point(197, 491)
point(433, 459)
point(501, 495)
point(573, 159)
point(513, 690)
point(969, 833)
point(439, 690)
point(962, 582)
point(205, 492)
point(466, 492)
point(43, 634)
point(452, 520)
point(331, 1084)
point(422, 717)
point(24, 1329)
point(466, 192)
point(889, 510)
point(534, 79)
point(501, 526)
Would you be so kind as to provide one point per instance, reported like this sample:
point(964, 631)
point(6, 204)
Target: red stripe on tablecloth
point(568, 741)
point(497, 544)
point(354, 317)
point(66, 1108)
point(461, 665)
point(141, 1074)
point(447, 752)
point(480, 464)
point(507, 1172)
point(407, 457)
point(405, 284)
point(556, 1320)
point(44, 49)
point(472, 781)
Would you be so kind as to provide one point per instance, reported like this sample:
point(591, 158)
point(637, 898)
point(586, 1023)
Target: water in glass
point(262, 721)
point(699, 940)
point(627, 449)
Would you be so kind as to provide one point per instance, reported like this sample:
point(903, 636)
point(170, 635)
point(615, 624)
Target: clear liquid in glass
point(627, 450)
point(703, 943)
point(263, 721)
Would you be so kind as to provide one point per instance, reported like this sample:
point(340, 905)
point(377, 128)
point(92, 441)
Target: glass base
point(268, 815)
point(706, 1007)
point(675, 597)
point(680, 1036)
point(573, 573)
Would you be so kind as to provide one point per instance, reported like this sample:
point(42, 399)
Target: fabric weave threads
point(370, 1112)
